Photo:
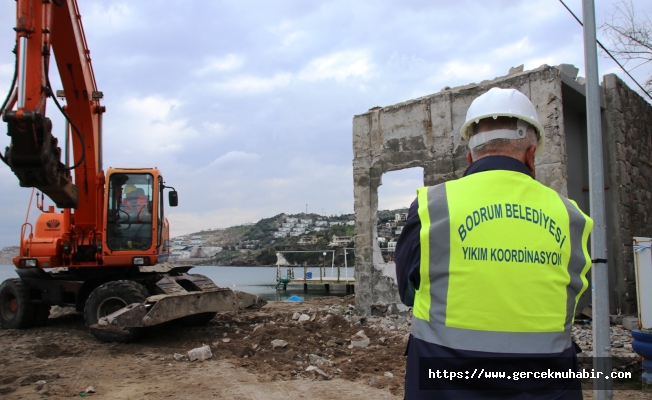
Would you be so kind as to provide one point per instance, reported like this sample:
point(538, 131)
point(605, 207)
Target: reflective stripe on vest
point(503, 263)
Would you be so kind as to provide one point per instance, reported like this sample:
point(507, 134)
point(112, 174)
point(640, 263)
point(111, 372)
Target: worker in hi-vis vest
point(493, 265)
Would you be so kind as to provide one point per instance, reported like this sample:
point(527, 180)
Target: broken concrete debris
point(279, 343)
point(360, 339)
point(621, 341)
point(630, 323)
point(304, 318)
point(200, 353)
point(325, 319)
point(317, 360)
point(319, 374)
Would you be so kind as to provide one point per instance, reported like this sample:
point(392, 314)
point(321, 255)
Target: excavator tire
point(108, 298)
point(16, 311)
point(196, 319)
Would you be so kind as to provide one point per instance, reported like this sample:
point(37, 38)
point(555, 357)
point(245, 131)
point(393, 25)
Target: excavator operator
point(135, 203)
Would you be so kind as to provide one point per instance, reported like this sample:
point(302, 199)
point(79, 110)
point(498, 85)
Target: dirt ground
point(244, 364)
point(62, 359)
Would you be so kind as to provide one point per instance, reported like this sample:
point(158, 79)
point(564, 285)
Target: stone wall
point(7, 254)
point(425, 133)
point(628, 118)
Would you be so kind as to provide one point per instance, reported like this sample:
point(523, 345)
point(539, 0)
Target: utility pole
point(602, 388)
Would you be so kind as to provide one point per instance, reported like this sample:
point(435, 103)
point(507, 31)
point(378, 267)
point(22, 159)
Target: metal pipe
point(99, 139)
point(346, 274)
point(22, 71)
point(602, 388)
point(67, 144)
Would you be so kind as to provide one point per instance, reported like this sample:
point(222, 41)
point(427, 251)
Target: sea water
point(260, 281)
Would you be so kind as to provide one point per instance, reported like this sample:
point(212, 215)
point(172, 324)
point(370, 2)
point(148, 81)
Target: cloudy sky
point(246, 106)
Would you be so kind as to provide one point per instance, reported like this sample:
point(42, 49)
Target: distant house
point(384, 231)
point(292, 220)
point(182, 253)
point(250, 244)
point(350, 223)
point(306, 221)
point(196, 241)
point(306, 240)
point(400, 217)
point(398, 230)
point(281, 234)
point(321, 223)
point(391, 246)
point(340, 241)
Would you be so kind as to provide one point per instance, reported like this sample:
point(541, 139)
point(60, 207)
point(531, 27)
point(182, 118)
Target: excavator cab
point(129, 222)
point(136, 228)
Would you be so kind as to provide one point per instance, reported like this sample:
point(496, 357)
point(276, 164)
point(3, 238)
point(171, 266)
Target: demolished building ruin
point(424, 133)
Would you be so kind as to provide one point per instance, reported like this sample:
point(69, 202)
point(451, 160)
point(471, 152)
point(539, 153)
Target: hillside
point(257, 244)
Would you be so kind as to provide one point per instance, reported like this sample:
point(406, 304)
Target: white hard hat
point(503, 103)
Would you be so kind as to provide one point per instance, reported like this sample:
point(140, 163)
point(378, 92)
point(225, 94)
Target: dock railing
point(281, 261)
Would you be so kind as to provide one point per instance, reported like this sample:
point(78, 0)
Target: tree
point(631, 37)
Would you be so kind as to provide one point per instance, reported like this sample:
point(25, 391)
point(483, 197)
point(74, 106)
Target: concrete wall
point(425, 133)
point(628, 118)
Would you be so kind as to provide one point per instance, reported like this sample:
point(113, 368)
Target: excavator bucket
point(34, 156)
point(177, 302)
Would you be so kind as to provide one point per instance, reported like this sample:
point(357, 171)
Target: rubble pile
point(322, 343)
point(621, 340)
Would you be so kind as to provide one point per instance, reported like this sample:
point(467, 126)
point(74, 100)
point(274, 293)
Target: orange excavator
point(106, 252)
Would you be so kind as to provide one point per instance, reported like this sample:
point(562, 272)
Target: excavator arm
point(34, 155)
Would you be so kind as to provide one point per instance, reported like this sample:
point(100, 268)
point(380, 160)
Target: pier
point(308, 280)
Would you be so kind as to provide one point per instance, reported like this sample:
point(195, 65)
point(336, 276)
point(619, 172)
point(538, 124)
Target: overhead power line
point(610, 55)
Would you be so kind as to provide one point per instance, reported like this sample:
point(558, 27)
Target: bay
point(260, 281)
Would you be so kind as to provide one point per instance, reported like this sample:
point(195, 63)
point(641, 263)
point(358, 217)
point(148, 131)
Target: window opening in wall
point(395, 194)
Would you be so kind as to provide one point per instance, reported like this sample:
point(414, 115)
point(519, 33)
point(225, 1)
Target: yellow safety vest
point(503, 264)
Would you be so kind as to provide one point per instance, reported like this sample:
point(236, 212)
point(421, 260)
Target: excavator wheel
point(196, 319)
point(16, 311)
point(109, 298)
